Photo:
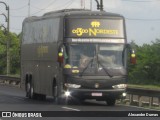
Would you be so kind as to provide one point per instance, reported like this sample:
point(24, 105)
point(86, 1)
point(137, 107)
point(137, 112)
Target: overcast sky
point(142, 16)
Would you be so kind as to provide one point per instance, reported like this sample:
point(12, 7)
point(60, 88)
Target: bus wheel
point(54, 91)
point(30, 90)
point(27, 89)
point(111, 101)
point(60, 99)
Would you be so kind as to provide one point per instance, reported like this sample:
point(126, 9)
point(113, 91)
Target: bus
point(75, 54)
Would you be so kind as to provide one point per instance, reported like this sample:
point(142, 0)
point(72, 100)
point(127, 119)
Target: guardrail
point(137, 95)
point(142, 95)
point(9, 80)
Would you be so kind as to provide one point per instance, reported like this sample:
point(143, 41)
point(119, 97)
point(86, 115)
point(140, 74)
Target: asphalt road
point(13, 99)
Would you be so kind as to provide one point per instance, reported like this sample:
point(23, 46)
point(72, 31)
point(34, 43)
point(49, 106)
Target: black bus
point(75, 54)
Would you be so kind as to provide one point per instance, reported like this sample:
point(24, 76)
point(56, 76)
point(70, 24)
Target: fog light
point(124, 94)
point(67, 93)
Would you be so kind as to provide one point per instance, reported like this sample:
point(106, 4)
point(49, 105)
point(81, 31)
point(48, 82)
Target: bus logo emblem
point(96, 85)
point(95, 24)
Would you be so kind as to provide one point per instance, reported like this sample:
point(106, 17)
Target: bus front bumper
point(99, 94)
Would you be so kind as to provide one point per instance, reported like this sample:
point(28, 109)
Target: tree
point(14, 52)
point(2, 52)
point(148, 64)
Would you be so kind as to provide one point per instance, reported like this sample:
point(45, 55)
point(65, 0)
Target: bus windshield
point(95, 55)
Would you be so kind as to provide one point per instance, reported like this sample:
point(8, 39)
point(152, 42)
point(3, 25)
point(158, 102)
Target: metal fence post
point(130, 99)
point(150, 101)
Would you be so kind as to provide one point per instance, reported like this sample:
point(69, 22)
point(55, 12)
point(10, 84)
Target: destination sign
point(94, 28)
point(96, 40)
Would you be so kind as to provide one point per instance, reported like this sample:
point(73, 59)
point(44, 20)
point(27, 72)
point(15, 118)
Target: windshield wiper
point(106, 70)
point(86, 67)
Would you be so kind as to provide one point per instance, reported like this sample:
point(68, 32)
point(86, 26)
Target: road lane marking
point(68, 108)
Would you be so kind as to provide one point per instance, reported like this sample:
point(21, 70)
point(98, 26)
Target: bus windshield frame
point(95, 57)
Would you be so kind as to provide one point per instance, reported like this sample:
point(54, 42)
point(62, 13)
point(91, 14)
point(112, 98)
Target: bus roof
point(80, 12)
point(73, 13)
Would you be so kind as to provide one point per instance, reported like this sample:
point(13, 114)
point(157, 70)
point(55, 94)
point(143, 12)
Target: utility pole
point(91, 5)
point(82, 4)
point(29, 7)
point(99, 5)
point(8, 38)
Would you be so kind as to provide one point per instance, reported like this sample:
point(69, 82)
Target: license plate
point(96, 94)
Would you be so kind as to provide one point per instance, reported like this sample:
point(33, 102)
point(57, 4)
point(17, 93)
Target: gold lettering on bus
point(41, 50)
point(94, 31)
point(79, 31)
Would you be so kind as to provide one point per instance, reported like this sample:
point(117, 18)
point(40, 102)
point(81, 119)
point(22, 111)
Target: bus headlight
point(72, 85)
point(120, 86)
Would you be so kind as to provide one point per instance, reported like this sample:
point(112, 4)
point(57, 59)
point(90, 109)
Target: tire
point(59, 98)
point(27, 89)
point(30, 90)
point(111, 101)
point(54, 92)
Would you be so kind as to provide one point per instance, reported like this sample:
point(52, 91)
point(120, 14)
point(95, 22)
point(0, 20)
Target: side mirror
point(132, 57)
point(60, 57)
point(132, 54)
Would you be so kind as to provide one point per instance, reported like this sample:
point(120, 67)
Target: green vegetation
point(147, 69)
point(14, 52)
point(151, 87)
